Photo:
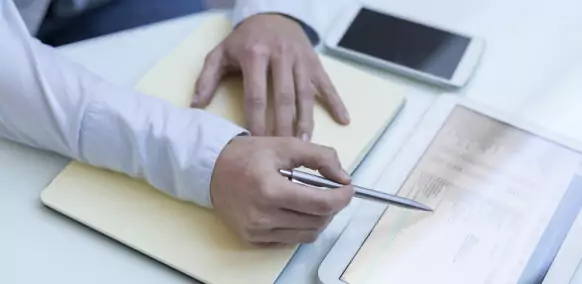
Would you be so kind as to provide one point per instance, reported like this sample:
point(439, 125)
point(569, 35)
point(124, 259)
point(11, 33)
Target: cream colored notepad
point(184, 236)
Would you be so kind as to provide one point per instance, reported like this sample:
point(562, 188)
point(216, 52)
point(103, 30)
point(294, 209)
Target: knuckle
point(255, 101)
point(331, 153)
point(306, 94)
point(325, 207)
point(285, 98)
point(280, 48)
point(256, 220)
point(268, 196)
point(257, 50)
point(297, 49)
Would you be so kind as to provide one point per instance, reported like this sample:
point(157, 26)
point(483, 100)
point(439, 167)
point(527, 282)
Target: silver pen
point(361, 192)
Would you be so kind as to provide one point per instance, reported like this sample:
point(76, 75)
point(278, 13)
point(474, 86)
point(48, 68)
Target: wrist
point(277, 19)
point(296, 15)
point(307, 30)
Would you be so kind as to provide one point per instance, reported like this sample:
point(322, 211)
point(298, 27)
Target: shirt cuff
point(301, 11)
point(221, 134)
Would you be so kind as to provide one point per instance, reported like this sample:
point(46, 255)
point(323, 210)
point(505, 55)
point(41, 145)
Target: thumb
point(317, 157)
point(209, 78)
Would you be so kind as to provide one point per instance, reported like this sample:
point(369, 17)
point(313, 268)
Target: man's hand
point(261, 205)
point(276, 45)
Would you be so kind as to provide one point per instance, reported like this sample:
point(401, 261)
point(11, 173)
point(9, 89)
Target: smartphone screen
point(405, 43)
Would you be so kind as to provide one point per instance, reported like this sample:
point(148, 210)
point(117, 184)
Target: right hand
point(263, 207)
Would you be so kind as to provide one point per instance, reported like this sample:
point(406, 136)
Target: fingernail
point(346, 117)
point(305, 137)
point(195, 100)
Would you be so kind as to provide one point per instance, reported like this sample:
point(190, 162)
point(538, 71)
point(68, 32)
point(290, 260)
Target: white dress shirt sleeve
point(314, 15)
point(54, 104)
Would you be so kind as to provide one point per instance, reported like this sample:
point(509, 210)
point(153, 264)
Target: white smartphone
point(411, 48)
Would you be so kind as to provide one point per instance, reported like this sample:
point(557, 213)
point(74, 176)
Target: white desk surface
point(532, 67)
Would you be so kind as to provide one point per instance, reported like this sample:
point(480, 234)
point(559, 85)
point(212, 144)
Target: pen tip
point(426, 208)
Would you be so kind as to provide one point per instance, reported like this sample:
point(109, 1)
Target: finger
point(330, 97)
point(316, 157)
point(289, 236)
point(288, 219)
point(284, 100)
point(305, 98)
point(255, 86)
point(209, 78)
point(267, 245)
point(314, 201)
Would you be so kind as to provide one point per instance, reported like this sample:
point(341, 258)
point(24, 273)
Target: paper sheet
point(183, 235)
point(494, 189)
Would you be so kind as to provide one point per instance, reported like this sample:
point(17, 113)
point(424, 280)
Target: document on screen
point(494, 189)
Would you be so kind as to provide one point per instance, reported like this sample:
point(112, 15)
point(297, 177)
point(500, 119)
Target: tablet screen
point(504, 200)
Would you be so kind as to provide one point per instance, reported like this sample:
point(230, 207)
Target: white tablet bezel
point(566, 265)
point(462, 74)
point(369, 213)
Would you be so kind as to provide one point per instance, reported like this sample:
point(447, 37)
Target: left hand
point(276, 44)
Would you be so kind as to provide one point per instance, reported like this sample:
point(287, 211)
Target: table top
point(532, 68)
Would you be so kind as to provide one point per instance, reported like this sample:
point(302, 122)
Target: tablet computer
point(505, 194)
point(567, 265)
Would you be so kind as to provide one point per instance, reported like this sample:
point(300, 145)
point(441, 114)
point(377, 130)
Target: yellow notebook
point(182, 235)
